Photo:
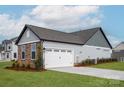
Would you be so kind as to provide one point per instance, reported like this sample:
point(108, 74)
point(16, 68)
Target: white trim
point(29, 42)
point(97, 47)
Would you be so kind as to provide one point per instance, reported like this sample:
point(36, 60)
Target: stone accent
point(28, 54)
point(19, 54)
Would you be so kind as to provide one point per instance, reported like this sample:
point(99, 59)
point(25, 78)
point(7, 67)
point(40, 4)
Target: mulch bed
point(25, 69)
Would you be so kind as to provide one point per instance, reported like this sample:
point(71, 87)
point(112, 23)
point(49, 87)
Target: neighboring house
point(62, 49)
point(9, 50)
point(0, 51)
point(118, 52)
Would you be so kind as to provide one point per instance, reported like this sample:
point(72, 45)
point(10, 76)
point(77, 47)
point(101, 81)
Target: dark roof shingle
point(79, 37)
point(53, 35)
point(85, 35)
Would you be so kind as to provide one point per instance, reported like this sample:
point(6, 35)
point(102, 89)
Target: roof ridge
point(46, 28)
point(119, 44)
point(87, 29)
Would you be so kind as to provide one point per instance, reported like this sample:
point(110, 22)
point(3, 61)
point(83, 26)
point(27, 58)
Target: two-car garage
point(54, 57)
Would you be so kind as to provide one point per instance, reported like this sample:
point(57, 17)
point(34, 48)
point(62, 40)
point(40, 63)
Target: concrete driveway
point(103, 73)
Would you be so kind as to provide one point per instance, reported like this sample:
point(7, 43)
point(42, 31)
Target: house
point(9, 50)
point(0, 51)
point(118, 52)
point(61, 49)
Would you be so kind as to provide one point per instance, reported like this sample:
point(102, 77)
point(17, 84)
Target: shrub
point(92, 61)
point(88, 62)
point(23, 65)
point(13, 60)
point(39, 61)
point(13, 65)
point(17, 65)
point(28, 66)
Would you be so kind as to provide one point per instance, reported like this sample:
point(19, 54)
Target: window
point(106, 50)
point(69, 51)
point(98, 48)
point(56, 50)
point(7, 55)
point(28, 33)
point(23, 51)
point(33, 51)
point(9, 47)
point(63, 50)
point(15, 55)
point(48, 50)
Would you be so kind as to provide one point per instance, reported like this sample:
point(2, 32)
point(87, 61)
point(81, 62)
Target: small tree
point(39, 59)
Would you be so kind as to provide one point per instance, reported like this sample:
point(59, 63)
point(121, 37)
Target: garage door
point(58, 58)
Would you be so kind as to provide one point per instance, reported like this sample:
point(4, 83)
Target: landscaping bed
point(90, 62)
point(24, 67)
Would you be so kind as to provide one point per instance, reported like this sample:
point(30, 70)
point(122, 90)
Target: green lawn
point(10, 78)
point(114, 66)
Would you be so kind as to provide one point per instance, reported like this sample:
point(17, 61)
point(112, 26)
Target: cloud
point(65, 18)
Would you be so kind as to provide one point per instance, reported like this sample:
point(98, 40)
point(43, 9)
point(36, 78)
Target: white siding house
point(9, 50)
point(64, 49)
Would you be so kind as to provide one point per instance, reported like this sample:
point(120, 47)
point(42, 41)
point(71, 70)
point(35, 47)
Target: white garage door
point(58, 58)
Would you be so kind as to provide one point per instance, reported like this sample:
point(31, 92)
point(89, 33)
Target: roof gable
point(28, 37)
point(120, 46)
point(85, 35)
point(98, 39)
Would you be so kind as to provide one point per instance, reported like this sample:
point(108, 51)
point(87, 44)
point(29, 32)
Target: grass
point(10, 78)
point(113, 66)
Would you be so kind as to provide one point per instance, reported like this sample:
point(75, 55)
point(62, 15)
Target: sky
point(63, 18)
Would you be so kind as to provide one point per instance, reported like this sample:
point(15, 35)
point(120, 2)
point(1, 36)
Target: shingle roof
point(85, 35)
point(10, 40)
point(79, 37)
point(119, 46)
point(53, 35)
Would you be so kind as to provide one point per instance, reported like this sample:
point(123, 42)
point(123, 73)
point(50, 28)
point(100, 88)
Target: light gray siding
point(118, 54)
point(120, 46)
point(28, 37)
point(98, 40)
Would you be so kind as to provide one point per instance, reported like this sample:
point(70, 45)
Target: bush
point(23, 65)
point(13, 60)
point(88, 61)
point(99, 61)
point(14, 65)
point(17, 65)
point(106, 60)
point(28, 66)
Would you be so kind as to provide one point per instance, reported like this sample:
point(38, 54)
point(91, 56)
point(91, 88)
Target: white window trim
point(35, 51)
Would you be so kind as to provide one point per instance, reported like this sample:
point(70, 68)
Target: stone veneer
point(27, 54)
